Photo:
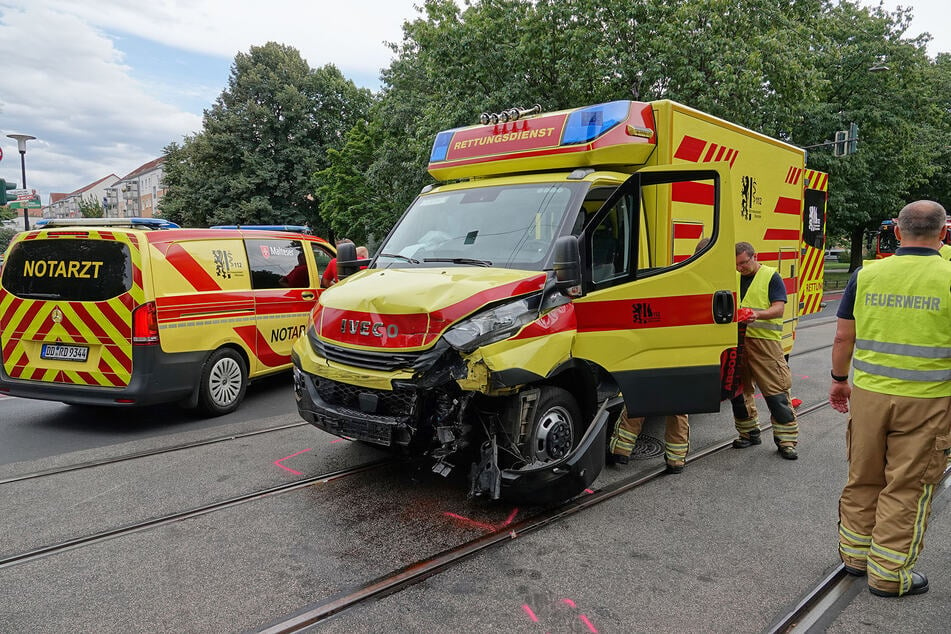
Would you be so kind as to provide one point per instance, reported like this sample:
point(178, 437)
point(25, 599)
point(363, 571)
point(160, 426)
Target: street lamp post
point(21, 140)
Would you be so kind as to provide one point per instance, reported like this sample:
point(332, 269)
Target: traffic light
point(853, 138)
point(840, 147)
point(4, 196)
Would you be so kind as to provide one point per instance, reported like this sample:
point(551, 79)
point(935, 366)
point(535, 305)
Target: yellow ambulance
point(113, 312)
point(557, 266)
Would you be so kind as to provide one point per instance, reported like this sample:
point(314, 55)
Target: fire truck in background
point(884, 242)
point(558, 265)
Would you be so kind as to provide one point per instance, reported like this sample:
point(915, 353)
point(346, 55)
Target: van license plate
point(64, 353)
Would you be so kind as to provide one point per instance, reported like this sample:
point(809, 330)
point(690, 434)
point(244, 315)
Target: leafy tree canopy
point(261, 142)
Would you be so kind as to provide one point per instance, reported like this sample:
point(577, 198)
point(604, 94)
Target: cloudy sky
point(105, 85)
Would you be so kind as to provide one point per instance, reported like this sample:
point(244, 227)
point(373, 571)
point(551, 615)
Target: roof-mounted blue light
point(588, 124)
point(441, 146)
point(289, 228)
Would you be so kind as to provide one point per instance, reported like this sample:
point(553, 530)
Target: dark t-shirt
point(777, 289)
point(847, 304)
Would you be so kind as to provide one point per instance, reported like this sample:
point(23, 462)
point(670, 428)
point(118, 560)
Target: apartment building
point(68, 205)
point(138, 192)
point(135, 194)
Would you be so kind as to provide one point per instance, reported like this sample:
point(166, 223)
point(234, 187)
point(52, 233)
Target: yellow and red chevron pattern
point(25, 325)
point(812, 257)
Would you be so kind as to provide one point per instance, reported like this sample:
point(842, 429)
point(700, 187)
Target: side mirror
point(347, 260)
point(567, 265)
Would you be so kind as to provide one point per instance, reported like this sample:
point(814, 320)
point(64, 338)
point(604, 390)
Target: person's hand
point(746, 315)
point(839, 393)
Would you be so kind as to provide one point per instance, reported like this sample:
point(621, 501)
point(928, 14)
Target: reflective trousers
point(676, 436)
point(765, 367)
point(898, 448)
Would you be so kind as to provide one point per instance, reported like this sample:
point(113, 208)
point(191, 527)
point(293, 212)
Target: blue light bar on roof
point(289, 228)
point(441, 146)
point(589, 123)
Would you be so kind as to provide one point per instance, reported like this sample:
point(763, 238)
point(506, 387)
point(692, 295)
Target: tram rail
point(425, 568)
point(89, 464)
point(834, 591)
point(95, 538)
point(145, 453)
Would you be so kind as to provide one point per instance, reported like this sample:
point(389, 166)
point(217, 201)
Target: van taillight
point(145, 325)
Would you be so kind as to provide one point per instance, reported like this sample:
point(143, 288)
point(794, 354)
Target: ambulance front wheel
point(555, 428)
point(223, 382)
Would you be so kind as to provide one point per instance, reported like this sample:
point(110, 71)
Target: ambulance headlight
point(492, 325)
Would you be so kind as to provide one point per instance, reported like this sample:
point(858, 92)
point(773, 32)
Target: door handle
point(307, 295)
point(723, 307)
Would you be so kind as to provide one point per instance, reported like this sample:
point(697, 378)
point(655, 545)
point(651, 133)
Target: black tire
point(224, 381)
point(556, 426)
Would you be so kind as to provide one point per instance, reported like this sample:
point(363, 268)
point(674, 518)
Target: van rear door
point(66, 302)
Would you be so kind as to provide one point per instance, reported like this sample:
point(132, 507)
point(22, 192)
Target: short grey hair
point(922, 220)
point(745, 247)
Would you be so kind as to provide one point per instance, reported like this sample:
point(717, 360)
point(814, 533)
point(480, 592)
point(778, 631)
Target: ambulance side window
point(611, 243)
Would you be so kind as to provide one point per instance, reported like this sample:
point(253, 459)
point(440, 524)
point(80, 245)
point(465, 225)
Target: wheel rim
point(224, 382)
point(553, 435)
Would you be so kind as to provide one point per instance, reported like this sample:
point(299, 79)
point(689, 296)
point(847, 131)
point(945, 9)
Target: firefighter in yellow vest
point(762, 290)
point(676, 440)
point(895, 317)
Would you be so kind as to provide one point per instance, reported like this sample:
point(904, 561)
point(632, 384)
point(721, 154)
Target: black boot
point(748, 440)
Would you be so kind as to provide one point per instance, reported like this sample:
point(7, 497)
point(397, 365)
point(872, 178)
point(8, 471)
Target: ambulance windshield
point(509, 226)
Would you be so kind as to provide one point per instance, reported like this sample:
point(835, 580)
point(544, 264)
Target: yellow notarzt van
point(107, 312)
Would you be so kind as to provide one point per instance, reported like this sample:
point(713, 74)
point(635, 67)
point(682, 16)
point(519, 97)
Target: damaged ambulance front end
point(455, 345)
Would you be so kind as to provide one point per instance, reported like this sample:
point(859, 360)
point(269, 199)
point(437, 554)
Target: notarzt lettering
point(61, 268)
point(290, 332)
point(915, 302)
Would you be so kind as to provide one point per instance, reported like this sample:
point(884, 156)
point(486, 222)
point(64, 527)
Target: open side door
point(657, 322)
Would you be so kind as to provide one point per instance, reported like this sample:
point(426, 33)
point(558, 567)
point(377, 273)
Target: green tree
point(897, 150)
point(90, 208)
point(261, 142)
point(746, 61)
point(6, 234)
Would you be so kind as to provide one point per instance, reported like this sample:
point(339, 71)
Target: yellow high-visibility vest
point(903, 327)
point(757, 298)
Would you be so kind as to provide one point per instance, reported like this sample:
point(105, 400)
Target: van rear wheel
point(224, 382)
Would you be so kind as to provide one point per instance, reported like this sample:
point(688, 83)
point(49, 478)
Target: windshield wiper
point(398, 257)
point(471, 261)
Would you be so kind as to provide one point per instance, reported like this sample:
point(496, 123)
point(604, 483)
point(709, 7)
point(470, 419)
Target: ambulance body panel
point(125, 316)
point(507, 317)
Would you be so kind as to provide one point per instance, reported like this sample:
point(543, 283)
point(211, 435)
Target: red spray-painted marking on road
point(483, 525)
point(589, 491)
point(529, 612)
point(278, 462)
point(583, 618)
